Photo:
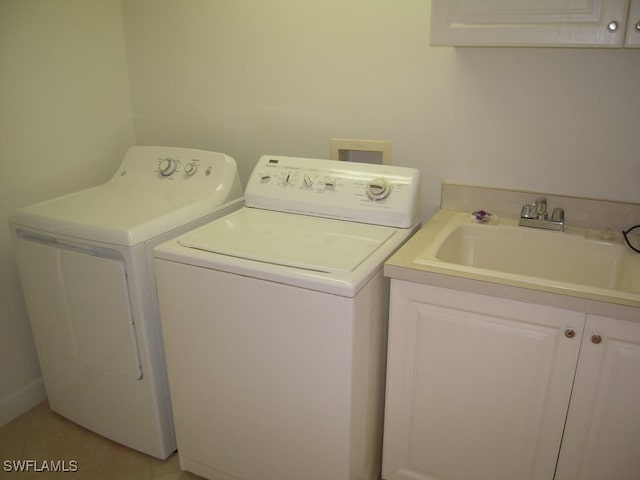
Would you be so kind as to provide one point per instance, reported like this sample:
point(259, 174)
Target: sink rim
point(539, 253)
point(444, 224)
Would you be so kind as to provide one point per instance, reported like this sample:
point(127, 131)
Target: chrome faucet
point(540, 207)
point(536, 215)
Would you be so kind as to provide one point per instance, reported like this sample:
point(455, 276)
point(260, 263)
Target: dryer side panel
point(79, 308)
point(100, 311)
point(81, 311)
point(42, 286)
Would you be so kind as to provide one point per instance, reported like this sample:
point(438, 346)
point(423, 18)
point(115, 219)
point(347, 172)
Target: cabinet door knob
point(570, 333)
point(612, 26)
point(638, 27)
point(596, 338)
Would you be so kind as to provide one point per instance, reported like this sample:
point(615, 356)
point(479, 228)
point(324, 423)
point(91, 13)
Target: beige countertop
point(403, 266)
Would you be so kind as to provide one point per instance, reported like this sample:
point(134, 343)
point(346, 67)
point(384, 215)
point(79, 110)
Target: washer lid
point(290, 240)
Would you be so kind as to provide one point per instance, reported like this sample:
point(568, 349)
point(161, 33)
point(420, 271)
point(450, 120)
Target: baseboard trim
point(22, 400)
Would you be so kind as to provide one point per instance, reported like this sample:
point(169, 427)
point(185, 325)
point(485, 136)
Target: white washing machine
point(85, 263)
point(275, 317)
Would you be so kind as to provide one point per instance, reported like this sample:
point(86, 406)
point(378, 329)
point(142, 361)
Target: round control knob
point(167, 167)
point(378, 189)
point(308, 181)
point(190, 168)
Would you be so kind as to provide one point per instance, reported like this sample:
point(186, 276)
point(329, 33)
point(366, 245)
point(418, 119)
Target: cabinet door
point(602, 435)
point(529, 22)
point(633, 25)
point(477, 387)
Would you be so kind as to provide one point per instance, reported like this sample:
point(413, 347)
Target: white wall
point(65, 123)
point(285, 76)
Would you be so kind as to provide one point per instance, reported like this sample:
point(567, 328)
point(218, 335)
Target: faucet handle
point(527, 210)
point(557, 215)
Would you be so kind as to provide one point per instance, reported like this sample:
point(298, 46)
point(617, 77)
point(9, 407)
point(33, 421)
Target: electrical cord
point(625, 232)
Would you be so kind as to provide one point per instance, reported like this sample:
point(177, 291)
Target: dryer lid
point(290, 240)
point(139, 202)
point(107, 214)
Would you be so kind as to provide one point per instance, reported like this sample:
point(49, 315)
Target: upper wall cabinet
point(536, 23)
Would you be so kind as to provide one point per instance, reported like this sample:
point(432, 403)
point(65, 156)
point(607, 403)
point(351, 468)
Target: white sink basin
point(577, 262)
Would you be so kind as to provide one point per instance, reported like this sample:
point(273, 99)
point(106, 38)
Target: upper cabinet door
point(542, 23)
point(633, 25)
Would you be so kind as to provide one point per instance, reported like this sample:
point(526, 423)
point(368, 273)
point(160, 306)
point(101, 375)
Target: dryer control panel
point(187, 172)
point(359, 192)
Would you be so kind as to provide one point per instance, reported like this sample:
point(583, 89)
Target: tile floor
point(41, 434)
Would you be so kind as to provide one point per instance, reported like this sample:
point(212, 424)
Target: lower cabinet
point(478, 388)
point(602, 437)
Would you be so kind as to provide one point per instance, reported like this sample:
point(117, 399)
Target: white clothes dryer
point(274, 321)
point(85, 264)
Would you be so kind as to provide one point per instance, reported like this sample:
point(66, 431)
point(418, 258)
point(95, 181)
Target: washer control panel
point(377, 194)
